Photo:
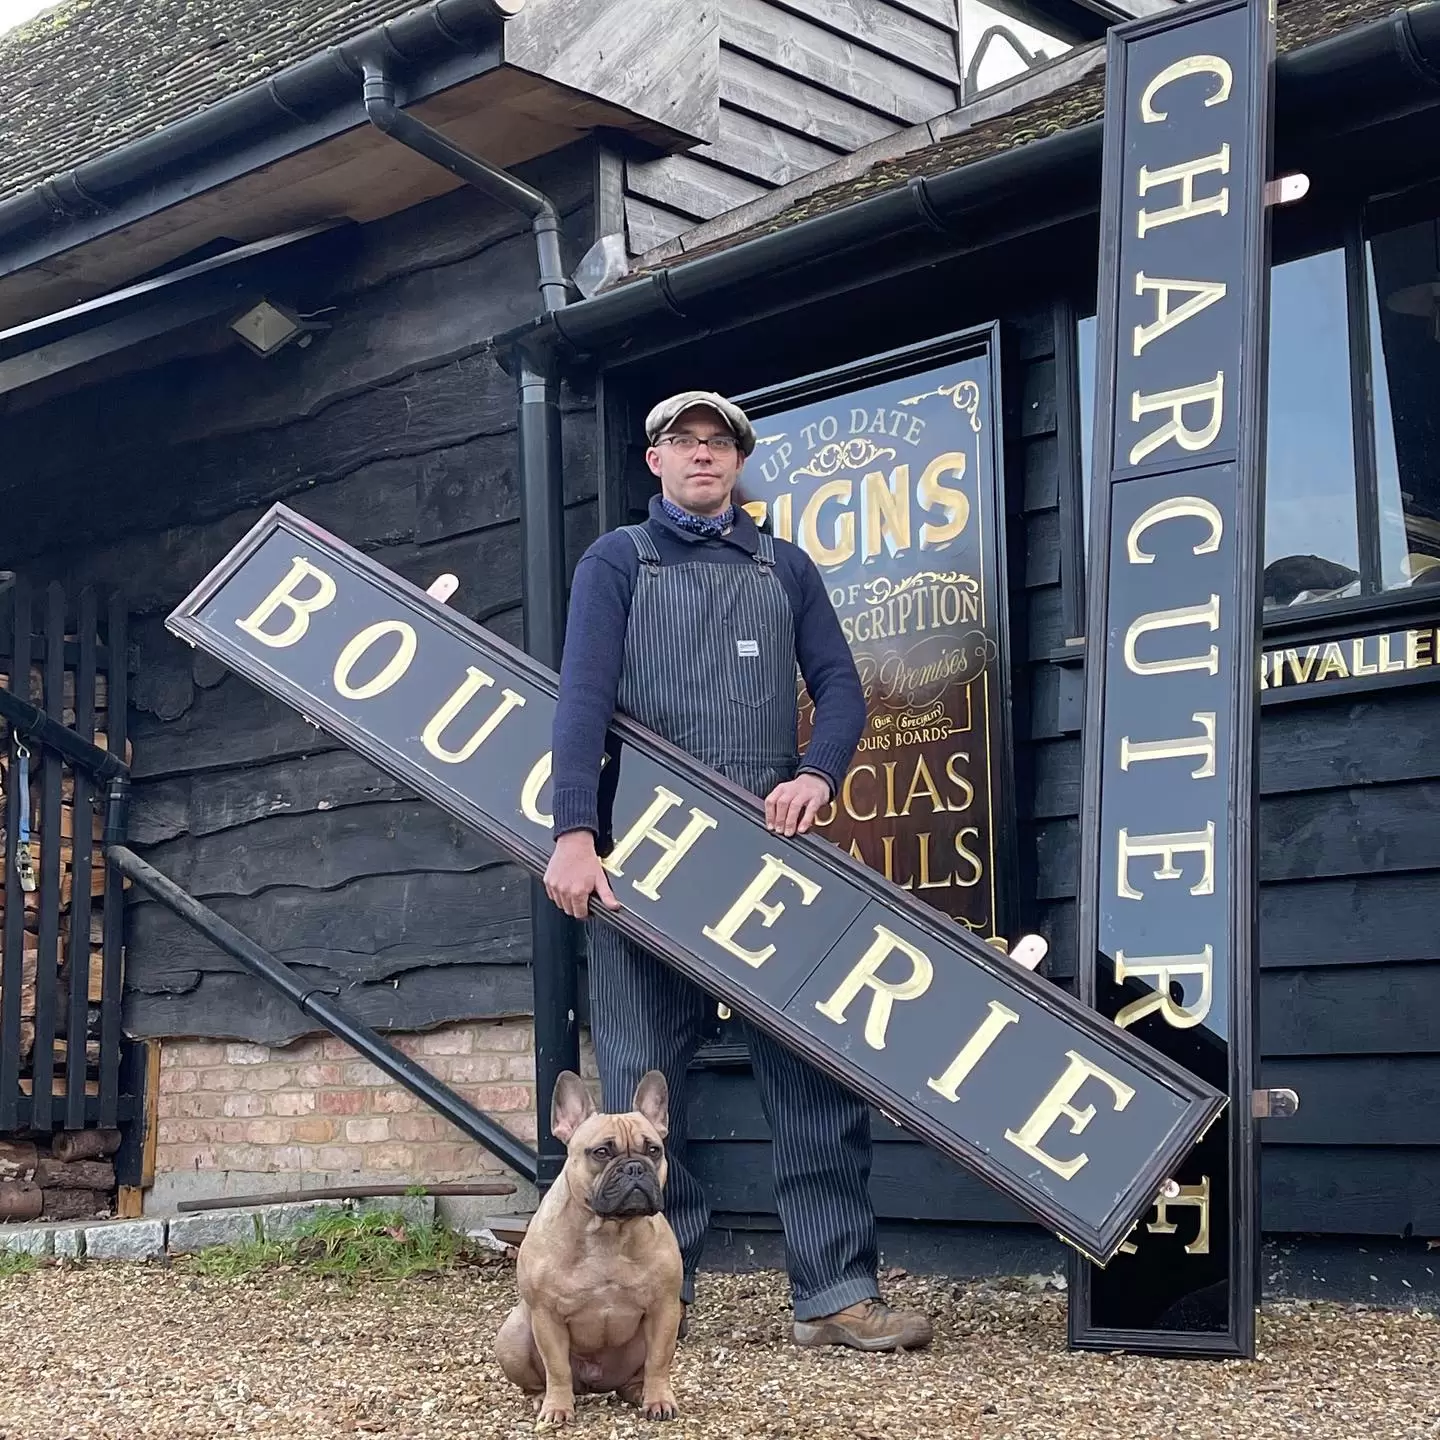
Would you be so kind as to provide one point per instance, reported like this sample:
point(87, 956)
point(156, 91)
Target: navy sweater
point(595, 646)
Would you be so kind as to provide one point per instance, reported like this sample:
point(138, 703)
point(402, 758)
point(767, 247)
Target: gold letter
point(1190, 65)
point(398, 665)
point(1176, 749)
point(1162, 969)
point(887, 511)
point(301, 610)
point(1185, 173)
point(1202, 294)
point(810, 541)
point(752, 898)
point(1166, 847)
point(530, 794)
point(1056, 1104)
point(475, 681)
point(674, 850)
point(886, 992)
point(1207, 392)
point(1172, 509)
point(955, 503)
point(1169, 619)
point(960, 1067)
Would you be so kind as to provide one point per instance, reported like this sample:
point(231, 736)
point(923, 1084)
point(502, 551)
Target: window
point(1403, 304)
point(1312, 541)
point(1353, 447)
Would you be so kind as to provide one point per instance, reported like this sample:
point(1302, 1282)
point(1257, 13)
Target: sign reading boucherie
point(1076, 1121)
point(885, 474)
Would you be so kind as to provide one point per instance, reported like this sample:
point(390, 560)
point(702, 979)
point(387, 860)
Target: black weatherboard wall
point(396, 431)
point(1348, 840)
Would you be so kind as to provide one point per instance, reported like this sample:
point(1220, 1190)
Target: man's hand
point(575, 873)
point(792, 807)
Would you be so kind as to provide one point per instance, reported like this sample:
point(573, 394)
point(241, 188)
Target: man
point(693, 624)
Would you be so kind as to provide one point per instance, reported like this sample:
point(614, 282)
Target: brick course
point(317, 1107)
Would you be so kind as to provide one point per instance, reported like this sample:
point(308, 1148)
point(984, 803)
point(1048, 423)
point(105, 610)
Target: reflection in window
point(1085, 365)
point(1312, 548)
point(995, 47)
point(1312, 543)
point(1404, 305)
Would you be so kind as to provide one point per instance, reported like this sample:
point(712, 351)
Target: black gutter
point(434, 47)
point(1378, 71)
point(553, 965)
point(314, 1003)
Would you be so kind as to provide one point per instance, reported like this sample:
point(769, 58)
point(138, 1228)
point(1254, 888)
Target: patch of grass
point(376, 1245)
point(379, 1245)
point(15, 1262)
point(235, 1262)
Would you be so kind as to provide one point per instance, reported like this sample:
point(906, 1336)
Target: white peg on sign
point(442, 587)
point(1030, 950)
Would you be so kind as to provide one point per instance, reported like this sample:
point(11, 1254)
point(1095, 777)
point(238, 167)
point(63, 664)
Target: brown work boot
point(870, 1325)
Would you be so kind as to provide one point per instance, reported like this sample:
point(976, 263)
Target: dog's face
point(616, 1163)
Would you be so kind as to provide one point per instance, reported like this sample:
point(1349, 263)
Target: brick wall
point(314, 1112)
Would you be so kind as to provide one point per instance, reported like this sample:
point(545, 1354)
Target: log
point(18, 1159)
point(73, 1204)
point(84, 1144)
point(20, 1200)
point(52, 1174)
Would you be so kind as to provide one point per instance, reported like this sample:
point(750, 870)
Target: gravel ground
point(125, 1351)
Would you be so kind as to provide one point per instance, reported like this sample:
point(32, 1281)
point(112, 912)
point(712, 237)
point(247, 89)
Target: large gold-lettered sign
point(1166, 935)
point(1076, 1121)
point(885, 474)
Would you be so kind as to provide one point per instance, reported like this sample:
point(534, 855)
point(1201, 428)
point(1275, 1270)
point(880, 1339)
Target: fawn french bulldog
point(599, 1269)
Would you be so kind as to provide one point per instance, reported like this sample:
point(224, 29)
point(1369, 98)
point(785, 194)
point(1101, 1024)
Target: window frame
point(1348, 231)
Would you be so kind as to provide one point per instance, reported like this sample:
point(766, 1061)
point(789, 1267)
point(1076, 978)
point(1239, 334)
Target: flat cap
point(668, 411)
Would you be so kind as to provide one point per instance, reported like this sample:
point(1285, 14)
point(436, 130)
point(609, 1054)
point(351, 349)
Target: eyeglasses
point(689, 444)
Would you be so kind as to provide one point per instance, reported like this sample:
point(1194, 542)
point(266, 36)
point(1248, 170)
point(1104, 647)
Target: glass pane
point(1404, 305)
point(1312, 541)
point(1085, 364)
point(995, 47)
point(1312, 545)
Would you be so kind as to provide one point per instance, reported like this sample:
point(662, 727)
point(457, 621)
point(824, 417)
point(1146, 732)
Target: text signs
point(1063, 1112)
point(1392, 656)
point(890, 488)
point(1168, 875)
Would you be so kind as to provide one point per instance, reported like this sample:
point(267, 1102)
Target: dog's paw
point(660, 1406)
point(554, 1413)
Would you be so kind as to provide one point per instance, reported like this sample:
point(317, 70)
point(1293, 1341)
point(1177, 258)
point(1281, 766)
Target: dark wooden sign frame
point(1169, 1108)
point(978, 342)
point(1176, 543)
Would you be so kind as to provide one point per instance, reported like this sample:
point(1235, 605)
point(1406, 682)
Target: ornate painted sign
point(1078, 1122)
point(1166, 942)
point(886, 475)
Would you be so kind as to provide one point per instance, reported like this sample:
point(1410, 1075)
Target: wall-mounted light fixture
point(267, 327)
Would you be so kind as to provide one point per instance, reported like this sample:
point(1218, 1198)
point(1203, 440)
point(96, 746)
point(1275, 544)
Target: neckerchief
point(709, 526)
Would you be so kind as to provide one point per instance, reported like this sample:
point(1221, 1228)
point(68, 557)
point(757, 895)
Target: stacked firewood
point(66, 1176)
point(89, 954)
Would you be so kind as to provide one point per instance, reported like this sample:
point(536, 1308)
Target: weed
point(16, 1262)
point(376, 1245)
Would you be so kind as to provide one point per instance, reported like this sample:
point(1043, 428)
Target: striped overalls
point(710, 665)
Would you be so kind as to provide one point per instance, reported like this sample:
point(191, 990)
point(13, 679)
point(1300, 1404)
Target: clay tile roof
point(1298, 22)
point(90, 75)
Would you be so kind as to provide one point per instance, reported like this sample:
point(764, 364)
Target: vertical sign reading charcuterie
point(1166, 945)
point(887, 478)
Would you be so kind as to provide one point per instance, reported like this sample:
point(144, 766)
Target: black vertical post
point(542, 540)
point(1168, 889)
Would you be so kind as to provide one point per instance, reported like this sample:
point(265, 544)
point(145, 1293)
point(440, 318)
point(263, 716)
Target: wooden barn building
point(230, 276)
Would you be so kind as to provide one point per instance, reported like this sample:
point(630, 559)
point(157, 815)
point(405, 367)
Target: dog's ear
point(571, 1107)
point(652, 1100)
